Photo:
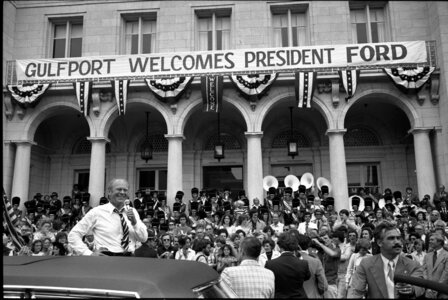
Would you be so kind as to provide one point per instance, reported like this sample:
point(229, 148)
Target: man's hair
point(239, 231)
point(183, 240)
point(353, 231)
point(111, 183)
point(201, 245)
point(287, 242)
point(339, 235)
point(251, 247)
point(222, 230)
point(382, 228)
point(304, 241)
point(440, 222)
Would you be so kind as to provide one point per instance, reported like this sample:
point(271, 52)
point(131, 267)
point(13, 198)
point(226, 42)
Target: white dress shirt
point(389, 284)
point(105, 225)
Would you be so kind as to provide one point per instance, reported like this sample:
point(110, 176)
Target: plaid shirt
point(250, 280)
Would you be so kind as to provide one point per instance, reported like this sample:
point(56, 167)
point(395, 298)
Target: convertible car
point(109, 277)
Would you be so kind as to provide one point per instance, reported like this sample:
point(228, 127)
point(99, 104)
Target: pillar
point(8, 166)
point(426, 182)
point(254, 166)
point(21, 173)
point(338, 168)
point(97, 169)
point(175, 178)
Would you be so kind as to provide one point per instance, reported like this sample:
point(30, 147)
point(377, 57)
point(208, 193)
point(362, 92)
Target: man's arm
point(346, 253)
point(329, 251)
point(79, 231)
point(139, 231)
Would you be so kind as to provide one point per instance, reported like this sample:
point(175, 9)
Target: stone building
point(380, 138)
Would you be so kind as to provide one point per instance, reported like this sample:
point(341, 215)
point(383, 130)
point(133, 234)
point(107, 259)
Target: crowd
point(225, 231)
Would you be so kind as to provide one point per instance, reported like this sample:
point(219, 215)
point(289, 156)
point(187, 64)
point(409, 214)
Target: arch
point(192, 105)
point(111, 115)
point(46, 111)
point(361, 135)
point(266, 107)
point(396, 98)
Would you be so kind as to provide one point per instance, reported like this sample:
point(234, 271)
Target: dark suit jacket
point(290, 273)
point(145, 251)
point(370, 272)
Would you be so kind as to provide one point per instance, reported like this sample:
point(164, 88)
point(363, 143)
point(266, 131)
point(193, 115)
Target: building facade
point(380, 138)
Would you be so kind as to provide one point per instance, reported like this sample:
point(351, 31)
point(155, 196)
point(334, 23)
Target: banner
point(169, 90)
point(27, 94)
point(349, 80)
point(410, 78)
point(304, 87)
point(120, 88)
point(83, 92)
point(253, 87)
point(211, 89)
point(223, 62)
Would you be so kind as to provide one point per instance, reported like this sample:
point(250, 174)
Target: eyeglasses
point(166, 240)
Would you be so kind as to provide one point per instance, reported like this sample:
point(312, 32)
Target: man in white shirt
point(304, 226)
point(276, 224)
point(117, 229)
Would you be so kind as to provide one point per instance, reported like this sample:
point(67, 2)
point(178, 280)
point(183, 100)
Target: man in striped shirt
point(249, 279)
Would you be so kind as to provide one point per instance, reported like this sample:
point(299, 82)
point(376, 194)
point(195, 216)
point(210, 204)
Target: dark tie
point(434, 258)
point(318, 224)
point(124, 226)
point(306, 228)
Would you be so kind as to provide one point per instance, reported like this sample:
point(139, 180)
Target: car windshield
point(215, 289)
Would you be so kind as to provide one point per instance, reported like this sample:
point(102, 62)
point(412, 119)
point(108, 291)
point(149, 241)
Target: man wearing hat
point(355, 206)
point(302, 196)
point(329, 206)
point(272, 191)
point(324, 192)
point(208, 209)
point(32, 204)
point(15, 206)
point(85, 208)
point(242, 197)
point(66, 208)
point(176, 212)
point(368, 206)
point(138, 201)
point(227, 207)
point(55, 201)
point(194, 198)
point(103, 200)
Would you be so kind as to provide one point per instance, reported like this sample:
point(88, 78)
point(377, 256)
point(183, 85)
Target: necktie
point(318, 224)
point(124, 226)
point(434, 258)
point(390, 280)
point(306, 228)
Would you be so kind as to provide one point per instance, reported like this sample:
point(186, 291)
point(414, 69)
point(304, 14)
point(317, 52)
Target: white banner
point(224, 62)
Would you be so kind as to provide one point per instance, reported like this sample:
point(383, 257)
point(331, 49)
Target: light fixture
point(219, 147)
point(292, 144)
point(146, 148)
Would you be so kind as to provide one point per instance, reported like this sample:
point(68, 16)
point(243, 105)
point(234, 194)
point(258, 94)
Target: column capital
point(335, 131)
point(420, 130)
point(253, 134)
point(22, 142)
point(98, 139)
point(174, 136)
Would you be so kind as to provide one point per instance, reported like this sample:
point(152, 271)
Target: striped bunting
point(253, 86)
point(349, 79)
point(304, 87)
point(120, 88)
point(169, 89)
point(410, 78)
point(27, 94)
point(211, 89)
point(83, 90)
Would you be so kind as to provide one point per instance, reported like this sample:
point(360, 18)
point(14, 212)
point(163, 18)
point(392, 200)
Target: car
point(109, 277)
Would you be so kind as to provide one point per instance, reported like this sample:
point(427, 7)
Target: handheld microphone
point(126, 204)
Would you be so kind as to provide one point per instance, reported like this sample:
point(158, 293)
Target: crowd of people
point(294, 243)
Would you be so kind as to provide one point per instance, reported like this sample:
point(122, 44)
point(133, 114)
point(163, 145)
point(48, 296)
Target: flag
point(169, 90)
point(253, 86)
point(349, 79)
point(27, 94)
point(410, 78)
point(304, 86)
point(120, 88)
point(211, 89)
point(10, 222)
point(83, 91)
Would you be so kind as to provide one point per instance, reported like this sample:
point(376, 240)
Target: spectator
point(58, 249)
point(419, 253)
point(202, 251)
point(269, 252)
point(165, 249)
point(185, 252)
point(36, 248)
point(183, 228)
point(226, 258)
point(249, 280)
point(44, 231)
point(363, 246)
point(47, 246)
point(435, 264)
point(147, 249)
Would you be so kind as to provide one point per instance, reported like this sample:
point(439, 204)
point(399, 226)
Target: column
point(21, 174)
point(426, 182)
point(97, 169)
point(175, 178)
point(8, 166)
point(338, 168)
point(254, 166)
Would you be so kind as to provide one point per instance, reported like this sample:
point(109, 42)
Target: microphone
point(126, 204)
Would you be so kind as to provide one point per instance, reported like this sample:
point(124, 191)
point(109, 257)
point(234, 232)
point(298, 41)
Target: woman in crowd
point(421, 219)
point(419, 251)
point(36, 248)
point(44, 231)
point(379, 216)
point(226, 259)
point(58, 249)
point(269, 252)
point(185, 252)
point(227, 224)
point(367, 234)
point(47, 247)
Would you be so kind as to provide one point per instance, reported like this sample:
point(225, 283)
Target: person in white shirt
point(269, 252)
point(105, 223)
point(419, 253)
point(276, 224)
point(362, 246)
point(185, 252)
point(305, 226)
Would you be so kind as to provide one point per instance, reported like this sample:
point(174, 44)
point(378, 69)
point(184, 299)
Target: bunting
point(253, 86)
point(169, 90)
point(349, 79)
point(212, 90)
point(27, 94)
point(83, 91)
point(120, 88)
point(304, 87)
point(410, 78)
point(10, 222)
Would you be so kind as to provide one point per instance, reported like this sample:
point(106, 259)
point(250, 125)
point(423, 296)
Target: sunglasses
point(166, 240)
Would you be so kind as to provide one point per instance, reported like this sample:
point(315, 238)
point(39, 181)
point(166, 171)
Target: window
point(230, 142)
point(358, 137)
point(67, 38)
point(363, 175)
point(368, 22)
point(139, 33)
point(220, 177)
point(82, 179)
point(154, 179)
point(213, 30)
point(289, 25)
point(281, 140)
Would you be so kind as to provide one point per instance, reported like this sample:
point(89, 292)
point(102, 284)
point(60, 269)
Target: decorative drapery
point(120, 88)
point(254, 86)
point(349, 80)
point(212, 90)
point(27, 95)
point(169, 90)
point(304, 88)
point(83, 91)
point(410, 78)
